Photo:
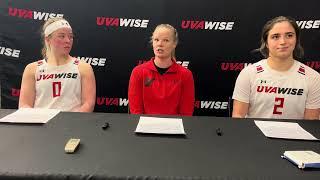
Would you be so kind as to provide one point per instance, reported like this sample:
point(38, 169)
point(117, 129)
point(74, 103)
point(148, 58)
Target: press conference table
point(242, 152)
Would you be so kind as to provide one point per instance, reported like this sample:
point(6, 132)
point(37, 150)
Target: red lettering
point(194, 24)
point(276, 107)
point(317, 65)
point(12, 11)
point(50, 76)
point(112, 101)
point(108, 101)
point(232, 66)
point(115, 22)
point(45, 76)
point(100, 100)
point(100, 21)
point(197, 104)
point(15, 92)
point(260, 88)
point(142, 61)
point(200, 25)
point(185, 24)
point(115, 102)
point(268, 89)
point(39, 78)
point(108, 21)
point(29, 15)
point(22, 12)
point(239, 67)
point(313, 64)
point(224, 66)
point(273, 90)
point(56, 89)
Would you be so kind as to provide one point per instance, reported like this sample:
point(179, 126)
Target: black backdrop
point(215, 56)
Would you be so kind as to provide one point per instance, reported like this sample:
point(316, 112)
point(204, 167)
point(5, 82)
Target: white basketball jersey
point(280, 95)
point(58, 87)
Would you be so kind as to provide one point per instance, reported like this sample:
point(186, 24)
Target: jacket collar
point(172, 69)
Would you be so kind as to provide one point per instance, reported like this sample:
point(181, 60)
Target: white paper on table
point(160, 125)
point(30, 115)
point(285, 130)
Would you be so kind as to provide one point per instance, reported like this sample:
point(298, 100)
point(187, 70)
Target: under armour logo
point(148, 81)
point(263, 81)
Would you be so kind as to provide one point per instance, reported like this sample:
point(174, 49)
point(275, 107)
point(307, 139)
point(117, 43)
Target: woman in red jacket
point(161, 86)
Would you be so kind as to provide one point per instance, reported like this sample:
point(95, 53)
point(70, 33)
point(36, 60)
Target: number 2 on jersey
point(56, 89)
point(278, 105)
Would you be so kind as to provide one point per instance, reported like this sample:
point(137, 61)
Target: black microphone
point(105, 126)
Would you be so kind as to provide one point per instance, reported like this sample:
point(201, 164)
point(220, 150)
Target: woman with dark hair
point(161, 86)
point(58, 81)
point(278, 86)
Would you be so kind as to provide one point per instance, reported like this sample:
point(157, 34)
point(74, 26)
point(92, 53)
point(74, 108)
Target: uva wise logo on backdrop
point(123, 102)
point(223, 105)
point(95, 61)
point(30, 14)
point(233, 66)
point(122, 22)
point(182, 63)
point(9, 52)
point(238, 66)
point(112, 101)
point(309, 24)
point(207, 25)
point(313, 64)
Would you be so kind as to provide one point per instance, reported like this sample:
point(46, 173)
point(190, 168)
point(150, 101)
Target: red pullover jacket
point(152, 93)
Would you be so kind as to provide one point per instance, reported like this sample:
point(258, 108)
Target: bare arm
point(311, 114)
point(88, 88)
point(312, 111)
point(28, 89)
point(240, 109)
